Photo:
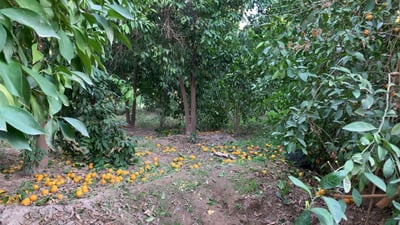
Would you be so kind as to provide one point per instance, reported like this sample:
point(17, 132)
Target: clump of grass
point(246, 185)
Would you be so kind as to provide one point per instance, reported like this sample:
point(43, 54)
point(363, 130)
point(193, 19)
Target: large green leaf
point(109, 30)
point(51, 127)
point(31, 19)
point(122, 11)
point(78, 125)
point(54, 105)
point(335, 209)
point(82, 76)
point(3, 37)
point(304, 218)
point(14, 80)
point(396, 130)
point(324, 217)
point(7, 95)
point(331, 180)
point(376, 180)
point(67, 130)
point(15, 138)
point(357, 198)
point(47, 87)
point(20, 119)
point(65, 46)
point(359, 126)
point(32, 5)
point(301, 185)
point(388, 168)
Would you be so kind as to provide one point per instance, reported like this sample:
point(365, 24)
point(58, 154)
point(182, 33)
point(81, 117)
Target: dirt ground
point(218, 192)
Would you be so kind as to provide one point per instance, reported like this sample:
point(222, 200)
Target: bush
point(108, 142)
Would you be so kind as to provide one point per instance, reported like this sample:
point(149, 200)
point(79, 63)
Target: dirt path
point(187, 185)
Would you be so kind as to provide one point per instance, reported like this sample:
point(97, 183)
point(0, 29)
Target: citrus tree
point(46, 48)
point(340, 63)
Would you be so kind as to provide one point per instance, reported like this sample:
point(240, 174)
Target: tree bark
point(236, 122)
point(185, 105)
point(193, 118)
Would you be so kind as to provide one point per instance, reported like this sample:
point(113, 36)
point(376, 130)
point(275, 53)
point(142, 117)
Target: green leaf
point(396, 205)
point(304, 218)
point(122, 11)
point(301, 185)
point(357, 198)
point(109, 30)
point(78, 125)
point(396, 130)
point(346, 184)
point(32, 5)
point(45, 85)
point(15, 138)
point(376, 180)
point(3, 37)
point(67, 130)
point(54, 105)
point(324, 217)
point(342, 69)
point(7, 95)
point(388, 168)
point(359, 127)
point(382, 152)
point(20, 119)
point(335, 209)
point(31, 19)
point(331, 180)
point(51, 127)
point(83, 76)
point(122, 37)
point(391, 189)
point(15, 81)
point(65, 46)
point(36, 55)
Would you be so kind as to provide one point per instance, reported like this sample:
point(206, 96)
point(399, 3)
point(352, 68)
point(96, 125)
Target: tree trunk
point(127, 112)
point(193, 118)
point(185, 105)
point(42, 144)
point(134, 86)
point(236, 123)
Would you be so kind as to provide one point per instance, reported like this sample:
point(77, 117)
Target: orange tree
point(46, 48)
point(340, 62)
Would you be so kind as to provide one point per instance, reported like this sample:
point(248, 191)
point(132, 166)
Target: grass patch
point(245, 185)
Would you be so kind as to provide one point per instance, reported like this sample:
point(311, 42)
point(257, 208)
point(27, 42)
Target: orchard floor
point(218, 192)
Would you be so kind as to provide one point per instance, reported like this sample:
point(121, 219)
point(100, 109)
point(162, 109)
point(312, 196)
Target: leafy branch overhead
point(47, 47)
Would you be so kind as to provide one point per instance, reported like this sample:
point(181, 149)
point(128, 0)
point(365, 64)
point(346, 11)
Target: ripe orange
point(53, 189)
point(322, 192)
point(396, 29)
point(79, 193)
point(369, 16)
point(60, 196)
point(33, 198)
point(366, 32)
point(35, 187)
point(26, 202)
point(44, 192)
point(348, 200)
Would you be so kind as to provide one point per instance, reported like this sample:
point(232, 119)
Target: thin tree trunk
point(193, 119)
point(127, 112)
point(185, 105)
point(236, 123)
point(134, 86)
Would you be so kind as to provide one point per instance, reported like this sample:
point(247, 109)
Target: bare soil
point(216, 193)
